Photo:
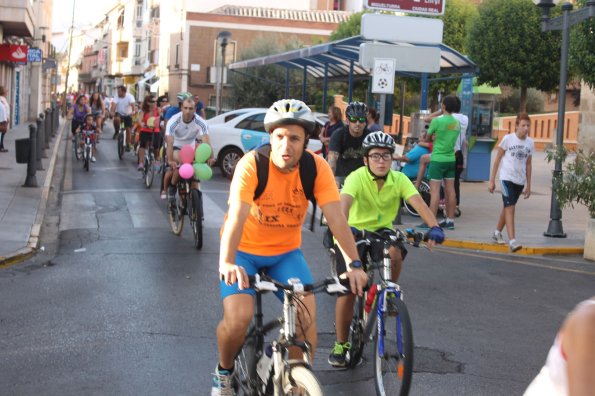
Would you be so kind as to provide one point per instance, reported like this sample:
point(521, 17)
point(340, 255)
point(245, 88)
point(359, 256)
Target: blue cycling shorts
point(280, 267)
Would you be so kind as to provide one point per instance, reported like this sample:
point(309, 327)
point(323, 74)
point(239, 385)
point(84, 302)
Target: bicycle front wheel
point(120, 144)
point(149, 173)
point(196, 217)
point(305, 382)
point(176, 217)
point(356, 333)
point(393, 363)
point(246, 383)
point(77, 147)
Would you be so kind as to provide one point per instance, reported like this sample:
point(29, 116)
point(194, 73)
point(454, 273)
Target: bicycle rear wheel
point(87, 156)
point(176, 217)
point(196, 216)
point(77, 146)
point(393, 368)
point(246, 381)
point(305, 382)
point(424, 191)
point(149, 172)
point(356, 333)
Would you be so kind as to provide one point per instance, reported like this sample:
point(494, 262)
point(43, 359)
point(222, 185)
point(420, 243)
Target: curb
point(527, 251)
point(33, 243)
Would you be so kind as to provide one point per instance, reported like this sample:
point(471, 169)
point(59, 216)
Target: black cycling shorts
point(145, 139)
point(126, 119)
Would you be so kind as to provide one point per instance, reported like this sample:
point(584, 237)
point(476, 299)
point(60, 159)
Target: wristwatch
point(356, 264)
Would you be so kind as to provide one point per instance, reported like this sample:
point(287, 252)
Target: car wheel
point(228, 159)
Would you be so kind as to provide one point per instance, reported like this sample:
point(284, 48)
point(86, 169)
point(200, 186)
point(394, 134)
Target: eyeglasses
point(356, 119)
point(377, 156)
point(152, 101)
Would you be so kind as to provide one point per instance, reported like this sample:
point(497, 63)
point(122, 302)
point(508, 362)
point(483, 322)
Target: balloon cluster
point(194, 162)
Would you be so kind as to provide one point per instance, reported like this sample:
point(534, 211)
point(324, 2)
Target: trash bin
point(21, 148)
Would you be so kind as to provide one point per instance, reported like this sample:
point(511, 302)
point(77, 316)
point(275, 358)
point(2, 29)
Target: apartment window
point(121, 20)
point(155, 12)
point(177, 64)
point(139, 13)
point(137, 44)
point(122, 50)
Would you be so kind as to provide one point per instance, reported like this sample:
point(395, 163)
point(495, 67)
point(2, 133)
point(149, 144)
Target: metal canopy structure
point(339, 60)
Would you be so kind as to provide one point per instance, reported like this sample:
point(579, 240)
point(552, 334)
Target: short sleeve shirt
point(411, 167)
point(274, 225)
point(349, 148)
point(171, 111)
point(514, 162)
point(124, 105)
point(186, 133)
point(447, 130)
point(372, 209)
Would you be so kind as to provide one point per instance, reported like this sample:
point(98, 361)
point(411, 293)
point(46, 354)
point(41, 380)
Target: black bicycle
point(188, 200)
point(263, 368)
point(386, 318)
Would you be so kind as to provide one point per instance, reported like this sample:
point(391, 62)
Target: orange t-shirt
point(274, 225)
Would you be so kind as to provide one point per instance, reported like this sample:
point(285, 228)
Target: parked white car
point(236, 132)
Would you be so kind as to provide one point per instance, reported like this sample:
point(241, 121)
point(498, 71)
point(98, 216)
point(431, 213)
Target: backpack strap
point(307, 175)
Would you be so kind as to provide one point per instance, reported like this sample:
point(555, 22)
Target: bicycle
point(121, 136)
point(375, 311)
point(87, 148)
point(148, 169)
point(263, 368)
point(188, 200)
point(76, 146)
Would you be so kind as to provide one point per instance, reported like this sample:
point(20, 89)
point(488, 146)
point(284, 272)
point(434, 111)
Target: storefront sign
point(13, 53)
point(424, 7)
point(34, 55)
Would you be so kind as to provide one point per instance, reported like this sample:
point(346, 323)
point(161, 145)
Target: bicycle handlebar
point(368, 237)
point(264, 283)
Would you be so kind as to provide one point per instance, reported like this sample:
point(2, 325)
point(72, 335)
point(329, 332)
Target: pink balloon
point(187, 154)
point(186, 171)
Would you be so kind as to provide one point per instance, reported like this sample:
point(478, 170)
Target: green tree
point(260, 86)
point(507, 44)
point(582, 49)
point(351, 27)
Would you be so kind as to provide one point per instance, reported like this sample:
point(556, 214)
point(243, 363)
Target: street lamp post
point(222, 40)
point(563, 23)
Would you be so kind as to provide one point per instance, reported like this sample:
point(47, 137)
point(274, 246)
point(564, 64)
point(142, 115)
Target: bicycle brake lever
point(263, 285)
point(336, 287)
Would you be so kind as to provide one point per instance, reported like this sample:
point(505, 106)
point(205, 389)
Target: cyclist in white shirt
point(122, 107)
point(184, 128)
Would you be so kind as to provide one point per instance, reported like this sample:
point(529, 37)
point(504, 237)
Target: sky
point(86, 13)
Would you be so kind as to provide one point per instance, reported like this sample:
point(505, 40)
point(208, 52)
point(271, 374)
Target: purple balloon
point(186, 171)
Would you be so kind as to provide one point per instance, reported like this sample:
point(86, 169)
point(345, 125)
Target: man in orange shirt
point(266, 232)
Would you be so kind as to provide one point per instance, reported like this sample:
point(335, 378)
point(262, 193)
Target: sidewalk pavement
point(22, 210)
point(480, 211)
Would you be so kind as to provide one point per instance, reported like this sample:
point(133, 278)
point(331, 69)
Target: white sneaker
point(93, 159)
point(498, 239)
point(514, 246)
point(222, 383)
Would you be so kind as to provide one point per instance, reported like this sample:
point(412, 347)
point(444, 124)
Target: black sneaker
point(338, 356)
point(448, 225)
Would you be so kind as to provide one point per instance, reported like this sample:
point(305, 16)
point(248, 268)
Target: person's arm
point(424, 212)
point(170, 151)
point(338, 224)
point(332, 157)
point(499, 155)
point(334, 149)
point(527, 192)
point(435, 114)
point(229, 271)
point(113, 108)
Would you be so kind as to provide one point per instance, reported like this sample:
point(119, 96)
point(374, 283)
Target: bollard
point(39, 150)
point(56, 117)
point(52, 117)
point(48, 117)
point(46, 140)
point(31, 180)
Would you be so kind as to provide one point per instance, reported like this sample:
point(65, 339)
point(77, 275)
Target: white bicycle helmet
point(378, 139)
point(289, 112)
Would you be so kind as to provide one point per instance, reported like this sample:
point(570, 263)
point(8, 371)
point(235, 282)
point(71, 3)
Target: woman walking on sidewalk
point(515, 152)
point(6, 112)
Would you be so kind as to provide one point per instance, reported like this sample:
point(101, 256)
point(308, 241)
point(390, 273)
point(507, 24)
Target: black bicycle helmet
point(356, 109)
point(378, 139)
point(289, 112)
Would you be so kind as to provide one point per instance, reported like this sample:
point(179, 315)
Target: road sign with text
point(407, 59)
point(424, 7)
point(405, 29)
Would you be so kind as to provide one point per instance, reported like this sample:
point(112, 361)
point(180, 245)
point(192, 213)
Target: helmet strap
point(375, 177)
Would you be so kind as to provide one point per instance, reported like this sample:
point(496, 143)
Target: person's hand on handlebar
point(357, 280)
point(211, 161)
point(435, 236)
point(232, 273)
point(172, 164)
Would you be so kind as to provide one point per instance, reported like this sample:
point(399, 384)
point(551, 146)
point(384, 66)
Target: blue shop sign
point(34, 55)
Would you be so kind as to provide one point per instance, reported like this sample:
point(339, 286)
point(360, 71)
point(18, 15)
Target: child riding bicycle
point(89, 128)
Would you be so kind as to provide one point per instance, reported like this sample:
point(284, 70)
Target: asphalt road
point(118, 305)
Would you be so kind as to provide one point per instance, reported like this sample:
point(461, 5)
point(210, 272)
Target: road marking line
point(510, 261)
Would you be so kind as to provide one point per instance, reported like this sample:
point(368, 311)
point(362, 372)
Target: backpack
point(307, 175)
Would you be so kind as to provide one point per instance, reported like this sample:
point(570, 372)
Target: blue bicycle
point(381, 315)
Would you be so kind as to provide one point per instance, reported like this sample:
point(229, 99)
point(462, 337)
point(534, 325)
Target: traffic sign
point(423, 7)
point(407, 58)
point(383, 76)
point(406, 29)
